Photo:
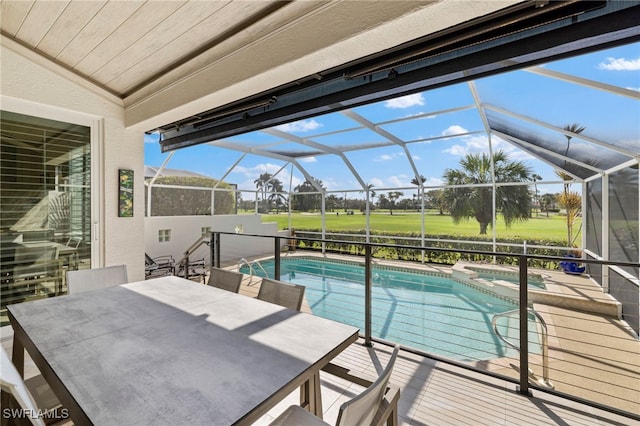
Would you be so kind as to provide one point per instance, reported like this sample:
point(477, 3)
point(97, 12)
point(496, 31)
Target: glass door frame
point(95, 124)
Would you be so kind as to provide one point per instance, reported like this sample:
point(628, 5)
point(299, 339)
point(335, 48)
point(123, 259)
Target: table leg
point(4, 403)
point(17, 355)
point(311, 396)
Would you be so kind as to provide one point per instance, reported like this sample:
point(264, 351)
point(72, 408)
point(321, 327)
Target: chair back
point(93, 279)
point(225, 279)
point(11, 382)
point(35, 261)
point(149, 262)
point(281, 293)
point(362, 409)
point(74, 242)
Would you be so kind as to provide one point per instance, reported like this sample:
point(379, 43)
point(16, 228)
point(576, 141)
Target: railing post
point(216, 243)
point(186, 267)
point(276, 257)
point(524, 327)
point(367, 295)
point(212, 250)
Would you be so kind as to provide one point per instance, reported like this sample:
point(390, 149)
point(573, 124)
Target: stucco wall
point(185, 230)
point(32, 85)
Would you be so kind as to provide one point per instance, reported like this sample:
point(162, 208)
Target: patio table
point(172, 351)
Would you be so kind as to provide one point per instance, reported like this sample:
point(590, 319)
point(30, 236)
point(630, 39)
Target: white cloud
point(388, 157)
point(620, 64)
point(397, 181)
point(426, 117)
point(308, 160)
point(457, 150)
point(377, 182)
point(637, 89)
point(405, 101)
point(477, 144)
point(250, 174)
point(434, 181)
point(299, 126)
point(454, 130)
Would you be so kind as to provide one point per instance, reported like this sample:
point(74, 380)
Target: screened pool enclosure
point(571, 124)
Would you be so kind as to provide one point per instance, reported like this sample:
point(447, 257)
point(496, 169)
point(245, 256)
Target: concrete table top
point(172, 351)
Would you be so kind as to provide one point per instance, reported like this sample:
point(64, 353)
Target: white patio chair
point(376, 405)
point(281, 293)
point(225, 279)
point(93, 279)
point(33, 395)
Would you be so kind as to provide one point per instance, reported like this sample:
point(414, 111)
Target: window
point(164, 235)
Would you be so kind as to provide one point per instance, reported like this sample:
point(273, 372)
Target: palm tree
point(262, 184)
point(567, 198)
point(418, 181)
point(276, 196)
point(436, 200)
point(305, 202)
point(573, 128)
point(535, 177)
point(467, 202)
point(393, 196)
point(547, 201)
point(572, 203)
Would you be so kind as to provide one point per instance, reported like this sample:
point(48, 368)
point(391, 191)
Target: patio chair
point(197, 268)
point(281, 293)
point(94, 279)
point(159, 266)
point(32, 395)
point(225, 279)
point(36, 265)
point(376, 405)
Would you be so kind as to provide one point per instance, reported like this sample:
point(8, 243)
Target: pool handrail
point(244, 261)
point(545, 343)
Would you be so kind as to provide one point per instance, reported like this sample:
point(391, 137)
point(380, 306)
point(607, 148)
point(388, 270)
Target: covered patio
point(89, 87)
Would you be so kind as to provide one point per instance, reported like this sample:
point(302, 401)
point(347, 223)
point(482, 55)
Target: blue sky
point(437, 139)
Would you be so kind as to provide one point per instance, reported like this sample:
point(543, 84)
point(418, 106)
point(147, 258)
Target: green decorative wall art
point(125, 193)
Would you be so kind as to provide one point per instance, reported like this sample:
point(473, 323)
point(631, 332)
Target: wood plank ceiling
point(124, 46)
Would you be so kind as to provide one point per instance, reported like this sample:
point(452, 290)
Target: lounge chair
point(197, 268)
point(158, 266)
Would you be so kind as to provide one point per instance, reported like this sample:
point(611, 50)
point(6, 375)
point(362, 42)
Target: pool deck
point(433, 394)
point(592, 356)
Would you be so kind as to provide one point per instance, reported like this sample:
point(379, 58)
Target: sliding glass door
point(45, 205)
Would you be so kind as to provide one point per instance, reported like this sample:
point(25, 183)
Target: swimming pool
point(430, 312)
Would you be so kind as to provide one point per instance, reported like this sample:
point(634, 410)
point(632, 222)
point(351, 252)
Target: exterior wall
point(33, 85)
point(185, 230)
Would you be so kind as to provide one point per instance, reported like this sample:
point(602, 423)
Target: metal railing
point(556, 359)
point(251, 265)
point(184, 263)
point(545, 344)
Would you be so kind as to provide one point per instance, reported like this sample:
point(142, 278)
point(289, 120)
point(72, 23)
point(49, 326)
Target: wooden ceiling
point(124, 46)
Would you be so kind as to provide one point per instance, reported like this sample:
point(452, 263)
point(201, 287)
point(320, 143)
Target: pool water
point(433, 313)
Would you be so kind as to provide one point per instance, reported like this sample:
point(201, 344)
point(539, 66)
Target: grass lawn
point(539, 227)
